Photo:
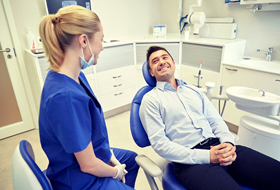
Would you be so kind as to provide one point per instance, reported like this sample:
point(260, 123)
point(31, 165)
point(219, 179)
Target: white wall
point(260, 29)
point(120, 18)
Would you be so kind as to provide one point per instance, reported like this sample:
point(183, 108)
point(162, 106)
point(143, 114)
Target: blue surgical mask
point(85, 64)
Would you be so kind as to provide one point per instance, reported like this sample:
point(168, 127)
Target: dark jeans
point(250, 168)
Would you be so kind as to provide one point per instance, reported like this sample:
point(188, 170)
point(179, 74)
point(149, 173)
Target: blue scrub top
point(70, 117)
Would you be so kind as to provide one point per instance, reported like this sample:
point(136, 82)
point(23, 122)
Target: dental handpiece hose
point(199, 75)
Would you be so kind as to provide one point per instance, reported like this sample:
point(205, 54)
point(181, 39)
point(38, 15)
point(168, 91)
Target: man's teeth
point(163, 68)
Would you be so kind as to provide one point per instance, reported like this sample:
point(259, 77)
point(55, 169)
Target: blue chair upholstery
point(25, 172)
point(169, 182)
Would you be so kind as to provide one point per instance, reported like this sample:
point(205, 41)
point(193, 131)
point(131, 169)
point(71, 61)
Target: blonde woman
point(73, 132)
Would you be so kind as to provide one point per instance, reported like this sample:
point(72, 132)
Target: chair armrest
point(148, 165)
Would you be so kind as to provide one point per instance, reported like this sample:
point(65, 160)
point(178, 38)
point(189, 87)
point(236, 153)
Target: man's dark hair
point(151, 50)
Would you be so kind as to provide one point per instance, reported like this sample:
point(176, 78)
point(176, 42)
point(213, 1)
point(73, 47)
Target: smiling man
point(184, 127)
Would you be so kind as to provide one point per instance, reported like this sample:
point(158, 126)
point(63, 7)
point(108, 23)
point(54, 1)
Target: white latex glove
point(121, 172)
point(114, 162)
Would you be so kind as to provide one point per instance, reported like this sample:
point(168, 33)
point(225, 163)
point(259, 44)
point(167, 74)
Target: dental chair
point(151, 169)
point(25, 172)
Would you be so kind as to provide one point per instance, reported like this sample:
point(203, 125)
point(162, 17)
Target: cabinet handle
point(277, 80)
point(118, 94)
point(119, 76)
point(117, 85)
point(231, 69)
point(197, 76)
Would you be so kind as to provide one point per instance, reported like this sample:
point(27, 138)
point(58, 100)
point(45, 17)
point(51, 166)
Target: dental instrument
point(199, 74)
point(225, 101)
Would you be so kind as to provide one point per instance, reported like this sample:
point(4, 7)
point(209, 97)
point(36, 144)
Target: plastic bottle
point(30, 38)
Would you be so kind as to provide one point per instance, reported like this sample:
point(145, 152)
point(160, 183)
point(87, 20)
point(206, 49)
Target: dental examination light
point(195, 20)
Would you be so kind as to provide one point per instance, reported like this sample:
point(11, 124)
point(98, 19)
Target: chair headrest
point(151, 81)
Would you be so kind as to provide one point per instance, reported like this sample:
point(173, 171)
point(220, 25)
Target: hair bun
point(55, 19)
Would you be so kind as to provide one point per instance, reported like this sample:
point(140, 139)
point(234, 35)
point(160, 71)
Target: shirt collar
point(167, 86)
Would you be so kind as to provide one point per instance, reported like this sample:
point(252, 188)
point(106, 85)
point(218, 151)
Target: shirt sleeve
point(69, 117)
point(154, 126)
point(219, 127)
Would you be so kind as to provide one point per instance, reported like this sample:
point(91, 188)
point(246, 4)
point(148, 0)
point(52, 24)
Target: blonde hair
point(57, 31)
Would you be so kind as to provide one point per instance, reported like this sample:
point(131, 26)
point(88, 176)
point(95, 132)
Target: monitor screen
point(53, 5)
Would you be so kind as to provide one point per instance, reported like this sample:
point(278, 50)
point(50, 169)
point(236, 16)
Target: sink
point(251, 100)
point(260, 64)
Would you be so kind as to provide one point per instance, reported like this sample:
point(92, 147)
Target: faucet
point(267, 53)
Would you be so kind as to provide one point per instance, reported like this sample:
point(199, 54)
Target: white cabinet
point(92, 82)
point(236, 76)
point(190, 76)
point(118, 73)
point(37, 68)
point(116, 76)
point(260, 134)
point(192, 55)
point(116, 87)
point(113, 79)
point(248, 2)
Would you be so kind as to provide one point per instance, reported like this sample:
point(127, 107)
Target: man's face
point(162, 66)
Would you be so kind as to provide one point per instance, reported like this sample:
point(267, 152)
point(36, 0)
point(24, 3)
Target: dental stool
point(25, 172)
point(151, 169)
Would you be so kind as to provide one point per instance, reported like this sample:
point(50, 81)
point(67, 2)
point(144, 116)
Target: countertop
point(169, 38)
point(256, 64)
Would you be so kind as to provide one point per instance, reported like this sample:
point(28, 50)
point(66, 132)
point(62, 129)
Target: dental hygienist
point(72, 128)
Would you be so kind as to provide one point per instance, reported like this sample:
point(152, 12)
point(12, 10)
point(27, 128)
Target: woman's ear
point(82, 40)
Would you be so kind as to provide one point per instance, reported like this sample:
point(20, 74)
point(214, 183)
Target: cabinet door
point(193, 54)
point(235, 76)
point(141, 50)
point(261, 144)
point(115, 57)
point(246, 137)
point(44, 66)
point(91, 81)
point(190, 76)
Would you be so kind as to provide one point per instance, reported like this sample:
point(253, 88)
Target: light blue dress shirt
point(177, 120)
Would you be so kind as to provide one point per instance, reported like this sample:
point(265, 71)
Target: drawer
point(115, 76)
point(117, 99)
point(115, 87)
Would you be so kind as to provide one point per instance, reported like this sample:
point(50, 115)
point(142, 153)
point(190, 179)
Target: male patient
point(184, 127)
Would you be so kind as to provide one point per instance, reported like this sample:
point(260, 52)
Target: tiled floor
point(119, 135)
